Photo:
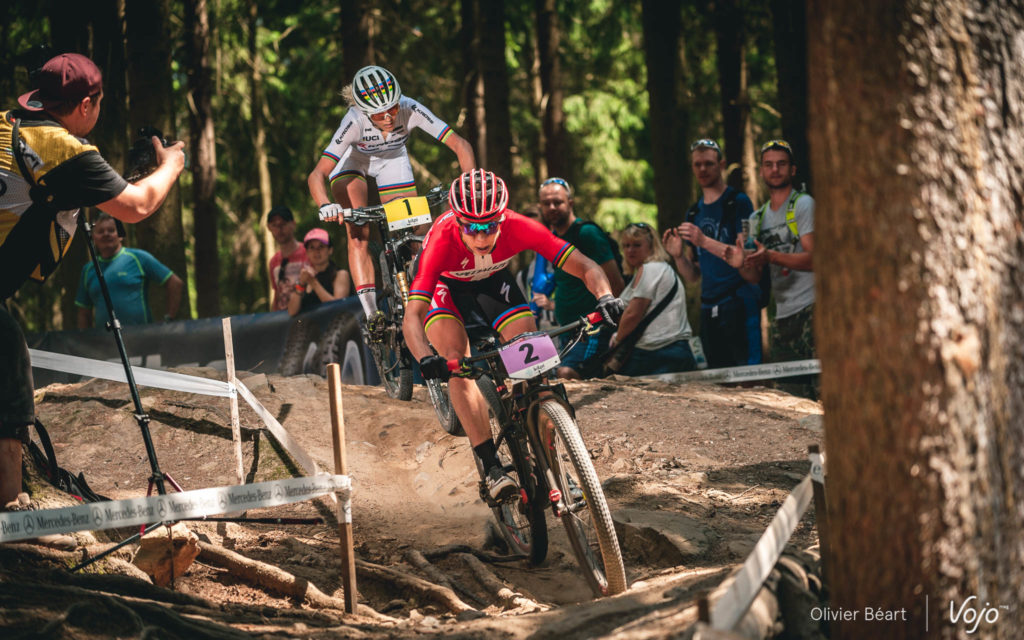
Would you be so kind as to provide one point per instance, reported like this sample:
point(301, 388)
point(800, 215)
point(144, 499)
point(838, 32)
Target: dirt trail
point(693, 474)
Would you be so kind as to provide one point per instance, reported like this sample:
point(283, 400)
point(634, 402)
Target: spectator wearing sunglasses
point(462, 277)
point(783, 233)
point(371, 141)
point(574, 299)
point(730, 311)
point(655, 307)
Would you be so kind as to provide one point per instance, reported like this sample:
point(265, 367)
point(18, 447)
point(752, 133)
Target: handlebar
point(463, 367)
point(360, 216)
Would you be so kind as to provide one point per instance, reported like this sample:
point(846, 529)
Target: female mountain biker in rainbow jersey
point(462, 274)
point(371, 141)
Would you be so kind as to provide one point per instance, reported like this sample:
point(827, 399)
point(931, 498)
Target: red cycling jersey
point(444, 253)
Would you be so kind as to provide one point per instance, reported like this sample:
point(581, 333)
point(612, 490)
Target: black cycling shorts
point(17, 405)
point(495, 301)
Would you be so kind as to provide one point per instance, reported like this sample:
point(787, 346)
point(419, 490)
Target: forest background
point(606, 94)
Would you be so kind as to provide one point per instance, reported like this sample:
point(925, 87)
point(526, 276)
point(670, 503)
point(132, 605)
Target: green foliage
point(300, 58)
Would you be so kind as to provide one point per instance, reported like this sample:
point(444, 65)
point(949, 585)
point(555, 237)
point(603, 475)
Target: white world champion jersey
point(356, 130)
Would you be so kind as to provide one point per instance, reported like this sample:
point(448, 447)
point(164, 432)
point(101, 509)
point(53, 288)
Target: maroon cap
point(69, 77)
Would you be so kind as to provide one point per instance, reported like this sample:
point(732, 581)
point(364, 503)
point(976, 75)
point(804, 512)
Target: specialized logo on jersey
point(483, 266)
point(465, 261)
point(505, 289)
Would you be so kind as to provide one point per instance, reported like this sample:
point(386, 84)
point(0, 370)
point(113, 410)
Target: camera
point(142, 156)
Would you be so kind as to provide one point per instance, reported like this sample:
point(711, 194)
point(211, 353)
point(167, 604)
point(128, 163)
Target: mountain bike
point(395, 221)
point(539, 444)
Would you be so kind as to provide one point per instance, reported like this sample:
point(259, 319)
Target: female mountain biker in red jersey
point(462, 274)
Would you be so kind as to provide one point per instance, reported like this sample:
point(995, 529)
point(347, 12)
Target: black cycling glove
point(434, 368)
point(611, 308)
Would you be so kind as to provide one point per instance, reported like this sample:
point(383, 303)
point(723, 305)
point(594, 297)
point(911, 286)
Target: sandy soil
point(693, 473)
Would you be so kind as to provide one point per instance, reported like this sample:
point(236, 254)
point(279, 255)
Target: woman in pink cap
point(320, 279)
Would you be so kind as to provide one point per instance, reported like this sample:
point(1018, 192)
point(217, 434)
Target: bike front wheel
point(438, 392)
point(587, 519)
point(522, 521)
point(393, 364)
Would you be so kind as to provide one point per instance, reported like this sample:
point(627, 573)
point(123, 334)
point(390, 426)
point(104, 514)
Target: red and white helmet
point(478, 195)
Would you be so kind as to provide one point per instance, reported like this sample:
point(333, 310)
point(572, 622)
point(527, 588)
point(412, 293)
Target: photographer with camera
point(53, 172)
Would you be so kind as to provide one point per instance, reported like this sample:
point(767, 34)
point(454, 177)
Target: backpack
point(728, 209)
point(58, 476)
point(755, 230)
point(573, 236)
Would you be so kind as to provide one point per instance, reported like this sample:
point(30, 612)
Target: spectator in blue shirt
point(128, 273)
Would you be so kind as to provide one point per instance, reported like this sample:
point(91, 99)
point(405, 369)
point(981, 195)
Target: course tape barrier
point(143, 376)
point(817, 467)
point(741, 589)
point(745, 373)
point(95, 516)
point(280, 434)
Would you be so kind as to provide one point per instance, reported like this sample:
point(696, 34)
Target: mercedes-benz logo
point(97, 517)
point(161, 508)
point(278, 493)
point(222, 500)
point(29, 527)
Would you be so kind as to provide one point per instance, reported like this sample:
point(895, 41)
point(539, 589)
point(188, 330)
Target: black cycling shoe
point(500, 486)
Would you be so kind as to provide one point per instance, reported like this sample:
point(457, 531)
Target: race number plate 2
point(528, 356)
point(407, 212)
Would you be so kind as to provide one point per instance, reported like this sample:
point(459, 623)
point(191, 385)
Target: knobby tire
point(588, 521)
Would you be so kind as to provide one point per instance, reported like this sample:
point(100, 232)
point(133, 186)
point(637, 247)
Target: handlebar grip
point(454, 365)
point(594, 317)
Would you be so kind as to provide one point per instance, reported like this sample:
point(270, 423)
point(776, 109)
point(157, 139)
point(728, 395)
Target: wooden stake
point(236, 430)
point(703, 607)
point(348, 556)
point(821, 516)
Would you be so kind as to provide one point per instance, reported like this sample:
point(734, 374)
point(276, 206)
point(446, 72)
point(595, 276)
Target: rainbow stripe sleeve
point(563, 255)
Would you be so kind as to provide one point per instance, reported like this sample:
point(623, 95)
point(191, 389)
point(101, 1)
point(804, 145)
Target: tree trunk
point(789, 24)
point(259, 144)
point(356, 38)
point(728, 21)
point(494, 74)
point(662, 25)
point(472, 86)
point(204, 157)
point(916, 129)
point(147, 30)
point(553, 117)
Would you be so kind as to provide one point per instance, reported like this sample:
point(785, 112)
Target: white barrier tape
point(130, 512)
point(744, 373)
point(143, 376)
point(817, 467)
point(274, 427)
point(730, 607)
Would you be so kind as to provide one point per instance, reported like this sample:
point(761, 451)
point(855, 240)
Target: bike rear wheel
point(587, 519)
point(522, 522)
point(390, 357)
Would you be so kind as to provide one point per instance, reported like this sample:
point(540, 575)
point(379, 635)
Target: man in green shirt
point(572, 299)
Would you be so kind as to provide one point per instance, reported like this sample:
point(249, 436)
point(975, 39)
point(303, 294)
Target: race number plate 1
point(407, 212)
point(529, 356)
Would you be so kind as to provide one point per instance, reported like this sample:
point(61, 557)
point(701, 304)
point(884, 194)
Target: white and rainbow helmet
point(375, 89)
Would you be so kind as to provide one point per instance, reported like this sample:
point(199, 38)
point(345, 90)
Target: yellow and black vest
point(34, 236)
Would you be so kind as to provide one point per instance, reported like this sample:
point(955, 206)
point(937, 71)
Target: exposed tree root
point(443, 596)
point(492, 583)
point(276, 579)
point(416, 559)
point(448, 550)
